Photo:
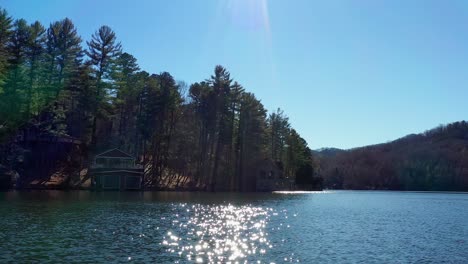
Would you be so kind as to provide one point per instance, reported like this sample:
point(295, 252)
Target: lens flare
point(249, 14)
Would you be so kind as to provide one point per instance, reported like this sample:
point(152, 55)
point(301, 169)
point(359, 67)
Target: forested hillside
point(431, 161)
point(55, 89)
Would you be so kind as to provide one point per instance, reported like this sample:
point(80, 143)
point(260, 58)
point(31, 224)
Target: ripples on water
point(222, 233)
point(317, 227)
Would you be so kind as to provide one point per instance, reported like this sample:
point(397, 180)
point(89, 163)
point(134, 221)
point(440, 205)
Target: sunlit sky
point(347, 73)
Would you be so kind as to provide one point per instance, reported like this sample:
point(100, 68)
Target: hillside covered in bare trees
point(436, 160)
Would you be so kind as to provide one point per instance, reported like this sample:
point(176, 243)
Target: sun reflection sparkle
point(220, 233)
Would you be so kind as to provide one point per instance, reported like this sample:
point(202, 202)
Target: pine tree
point(62, 62)
point(126, 100)
point(16, 82)
point(35, 63)
point(221, 85)
point(103, 50)
point(251, 140)
point(5, 33)
point(64, 54)
point(6, 24)
point(278, 126)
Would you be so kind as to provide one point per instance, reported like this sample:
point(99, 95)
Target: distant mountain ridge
point(328, 152)
point(430, 161)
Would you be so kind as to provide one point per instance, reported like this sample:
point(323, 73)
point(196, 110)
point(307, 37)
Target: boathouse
point(116, 170)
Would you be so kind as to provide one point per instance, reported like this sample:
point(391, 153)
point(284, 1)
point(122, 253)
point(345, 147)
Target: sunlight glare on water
point(222, 233)
point(160, 227)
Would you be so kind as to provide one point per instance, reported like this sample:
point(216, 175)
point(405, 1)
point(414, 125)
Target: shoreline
point(201, 191)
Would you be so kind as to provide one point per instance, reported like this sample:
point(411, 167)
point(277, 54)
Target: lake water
point(320, 227)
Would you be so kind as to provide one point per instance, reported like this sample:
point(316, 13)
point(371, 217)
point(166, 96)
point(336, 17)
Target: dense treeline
point(207, 135)
point(433, 161)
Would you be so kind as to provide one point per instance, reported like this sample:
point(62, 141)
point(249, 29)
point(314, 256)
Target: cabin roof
point(115, 153)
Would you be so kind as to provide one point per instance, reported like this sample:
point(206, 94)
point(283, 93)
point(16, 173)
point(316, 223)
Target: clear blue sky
point(347, 73)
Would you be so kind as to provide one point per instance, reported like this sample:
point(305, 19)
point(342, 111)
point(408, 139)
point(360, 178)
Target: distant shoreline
point(198, 191)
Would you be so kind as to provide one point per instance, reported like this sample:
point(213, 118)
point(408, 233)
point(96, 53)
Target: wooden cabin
point(116, 170)
point(44, 157)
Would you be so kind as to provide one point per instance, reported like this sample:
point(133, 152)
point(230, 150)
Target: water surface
point(324, 227)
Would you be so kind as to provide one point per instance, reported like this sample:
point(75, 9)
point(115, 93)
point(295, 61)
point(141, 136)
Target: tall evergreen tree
point(35, 64)
point(64, 54)
point(202, 97)
point(5, 33)
point(126, 100)
point(278, 126)
point(62, 61)
point(221, 85)
point(251, 143)
point(16, 82)
point(103, 50)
